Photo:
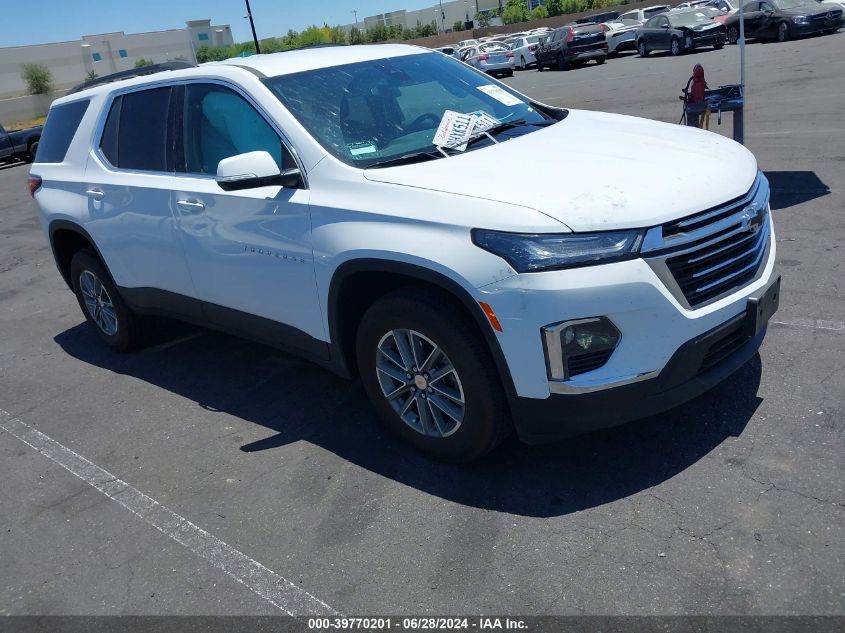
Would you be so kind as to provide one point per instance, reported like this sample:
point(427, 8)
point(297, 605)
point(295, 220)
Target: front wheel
point(641, 49)
point(431, 378)
point(733, 35)
point(104, 309)
point(675, 47)
point(783, 32)
point(33, 150)
point(600, 60)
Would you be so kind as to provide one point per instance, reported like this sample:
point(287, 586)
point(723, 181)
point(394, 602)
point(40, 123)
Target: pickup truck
point(19, 144)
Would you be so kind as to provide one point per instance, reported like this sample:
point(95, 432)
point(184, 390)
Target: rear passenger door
point(129, 180)
point(248, 251)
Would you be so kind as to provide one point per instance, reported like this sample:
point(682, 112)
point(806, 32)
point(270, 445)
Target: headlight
point(528, 253)
point(801, 19)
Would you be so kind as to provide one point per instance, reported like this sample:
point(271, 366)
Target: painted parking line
point(275, 589)
point(813, 324)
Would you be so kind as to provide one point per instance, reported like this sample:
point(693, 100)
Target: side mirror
point(253, 170)
point(664, 26)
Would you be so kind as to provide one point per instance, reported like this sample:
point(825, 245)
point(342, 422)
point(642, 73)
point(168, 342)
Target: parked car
point(449, 51)
point(466, 43)
point(491, 58)
point(570, 45)
point(641, 15)
point(523, 50)
point(304, 208)
point(785, 19)
point(19, 144)
point(621, 36)
point(693, 4)
point(679, 33)
point(598, 18)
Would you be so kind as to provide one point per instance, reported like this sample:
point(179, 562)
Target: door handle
point(190, 206)
point(94, 194)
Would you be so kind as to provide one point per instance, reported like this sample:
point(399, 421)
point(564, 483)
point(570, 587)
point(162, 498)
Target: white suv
point(525, 280)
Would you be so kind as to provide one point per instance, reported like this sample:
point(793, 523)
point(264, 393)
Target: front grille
point(716, 251)
point(827, 16)
point(723, 347)
point(587, 362)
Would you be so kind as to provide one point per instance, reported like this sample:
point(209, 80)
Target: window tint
point(219, 123)
point(135, 135)
point(59, 130)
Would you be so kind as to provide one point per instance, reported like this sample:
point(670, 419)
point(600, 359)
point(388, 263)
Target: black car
point(783, 19)
point(679, 33)
point(569, 45)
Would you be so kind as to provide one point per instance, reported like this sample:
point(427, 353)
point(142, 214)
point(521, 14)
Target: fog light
point(576, 347)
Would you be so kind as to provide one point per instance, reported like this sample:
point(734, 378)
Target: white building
point(70, 62)
point(444, 15)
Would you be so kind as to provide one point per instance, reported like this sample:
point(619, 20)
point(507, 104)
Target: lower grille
point(587, 362)
point(724, 347)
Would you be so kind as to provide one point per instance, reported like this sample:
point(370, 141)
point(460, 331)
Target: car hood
point(811, 8)
point(594, 171)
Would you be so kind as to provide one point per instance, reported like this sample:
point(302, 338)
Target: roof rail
point(132, 72)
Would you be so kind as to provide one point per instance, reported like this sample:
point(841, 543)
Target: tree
point(355, 36)
point(337, 35)
point(554, 7)
point(91, 76)
point(458, 26)
point(140, 63)
point(515, 11)
point(481, 20)
point(38, 78)
point(539, 13)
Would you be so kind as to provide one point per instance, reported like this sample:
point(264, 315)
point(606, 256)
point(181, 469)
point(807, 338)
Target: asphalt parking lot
point(278, 490)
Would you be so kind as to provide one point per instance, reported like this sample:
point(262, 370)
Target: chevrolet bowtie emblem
point(752, 218)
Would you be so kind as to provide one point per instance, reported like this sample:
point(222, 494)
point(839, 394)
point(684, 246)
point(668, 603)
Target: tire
point(425, 315)
point(642, 49)
point(600, 60)
point(91, 281)
point(675, 48)
point(33, 150)
point(522, 64)
point(733, 35)
point(783, 32)
point(561, 63)
point(509, 73)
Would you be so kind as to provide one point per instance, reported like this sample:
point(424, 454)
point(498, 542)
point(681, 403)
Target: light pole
point(252, 26)
point(355, 13)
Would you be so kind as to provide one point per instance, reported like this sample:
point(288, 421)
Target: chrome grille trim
point(688, 254)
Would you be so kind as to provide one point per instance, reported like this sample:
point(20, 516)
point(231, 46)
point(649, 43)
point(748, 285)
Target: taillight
point(603, 27)
point(483, 58)
point(571, 35)
point(509, 55)
point(532, 48)
point(34, 184)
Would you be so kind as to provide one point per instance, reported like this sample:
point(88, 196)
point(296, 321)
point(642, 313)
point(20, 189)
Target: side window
point(59, 131)
point(765, 6)
point(651, 24)
point(135, 135)
point(663, 21)
point(218, 123)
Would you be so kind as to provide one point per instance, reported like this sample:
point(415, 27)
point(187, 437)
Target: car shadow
point(791, 188)
point(297, 401)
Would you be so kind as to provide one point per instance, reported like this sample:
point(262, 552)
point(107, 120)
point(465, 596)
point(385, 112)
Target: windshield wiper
point(507, 125)
point(407, 159)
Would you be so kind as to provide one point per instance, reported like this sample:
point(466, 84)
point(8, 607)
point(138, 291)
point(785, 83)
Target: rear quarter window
point(59, 130)
point(136, 131)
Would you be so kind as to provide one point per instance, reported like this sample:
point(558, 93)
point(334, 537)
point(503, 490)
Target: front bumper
point(816, 26)
point(693, 370)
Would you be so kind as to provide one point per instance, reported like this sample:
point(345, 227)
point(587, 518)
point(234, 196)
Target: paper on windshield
point(500, 95)
point(456, 128)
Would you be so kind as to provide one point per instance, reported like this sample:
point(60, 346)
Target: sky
point(61, 20)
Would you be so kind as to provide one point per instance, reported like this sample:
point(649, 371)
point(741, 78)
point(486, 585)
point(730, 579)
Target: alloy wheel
point(420, 383)
point(98, 302)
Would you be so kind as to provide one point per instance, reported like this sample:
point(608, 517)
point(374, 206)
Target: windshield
point(689, 19)
point(369, 112)
point(788, 4)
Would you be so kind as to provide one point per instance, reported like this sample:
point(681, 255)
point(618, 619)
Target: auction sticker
point(502, 96)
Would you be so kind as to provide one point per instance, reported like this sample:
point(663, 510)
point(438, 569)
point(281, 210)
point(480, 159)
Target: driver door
point(249, 251)
point(662, 33)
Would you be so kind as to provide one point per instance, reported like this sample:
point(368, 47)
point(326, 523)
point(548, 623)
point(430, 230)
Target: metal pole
point(252, 26)
point(355, 13)
point(741, 42)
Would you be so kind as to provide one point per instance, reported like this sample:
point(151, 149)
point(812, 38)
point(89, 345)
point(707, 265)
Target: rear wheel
point(118, 327)
point(783, 32)
point(430, 378)
point(642, 49)
point(733, 35)
point(600, 60)
point(675, 47)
